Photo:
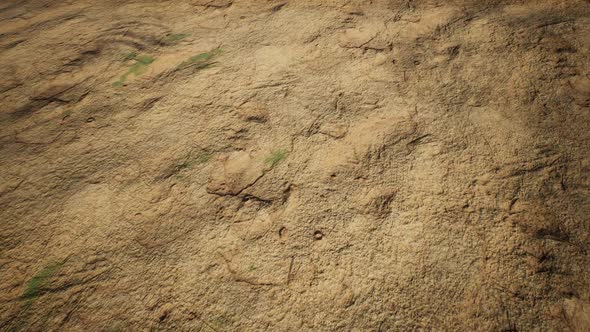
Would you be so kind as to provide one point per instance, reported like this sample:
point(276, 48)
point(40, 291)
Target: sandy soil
point(218, 165)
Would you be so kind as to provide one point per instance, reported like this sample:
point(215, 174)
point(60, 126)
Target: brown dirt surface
point(341, 165)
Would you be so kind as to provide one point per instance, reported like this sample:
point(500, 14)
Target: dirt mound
point(220, 165)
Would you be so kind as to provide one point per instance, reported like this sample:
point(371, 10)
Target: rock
point(253, 229)
point(385, 129)
point(235, 172)
point(355, 38)
point(333, 130)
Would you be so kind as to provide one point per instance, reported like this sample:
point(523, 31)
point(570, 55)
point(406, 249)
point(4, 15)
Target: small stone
point(318, 235)
point(283, 232)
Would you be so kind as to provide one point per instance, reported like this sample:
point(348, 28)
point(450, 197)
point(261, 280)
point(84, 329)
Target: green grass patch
point(128, 56)
point(174, 38)
point(201, 158)
point(275, 158)
point(202, 60)
point(138, 68)
point(190, 161)
point(38, 282)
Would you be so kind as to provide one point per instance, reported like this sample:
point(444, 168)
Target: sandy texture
point(218, 165)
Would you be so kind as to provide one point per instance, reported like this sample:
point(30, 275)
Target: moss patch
point(202, 60)
point(174, 38)
point(138, 68)
point(275, 158)
point(38, 282)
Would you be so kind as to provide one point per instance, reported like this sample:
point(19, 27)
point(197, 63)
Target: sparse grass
point(138, 68)
point(202, 158)
point(275, 157)
point(144, 59)
point(35, 285)
point(128, 56)
point(174, 38)
point(200, 61)
point(252, 268)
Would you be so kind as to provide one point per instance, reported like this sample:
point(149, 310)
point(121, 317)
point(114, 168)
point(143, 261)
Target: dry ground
point(209, 165)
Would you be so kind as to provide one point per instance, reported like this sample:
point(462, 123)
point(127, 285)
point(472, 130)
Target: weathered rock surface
point(235, 172)
point(219, 165)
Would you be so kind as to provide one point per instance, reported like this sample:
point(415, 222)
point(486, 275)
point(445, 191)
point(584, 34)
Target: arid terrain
point(295, 165)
